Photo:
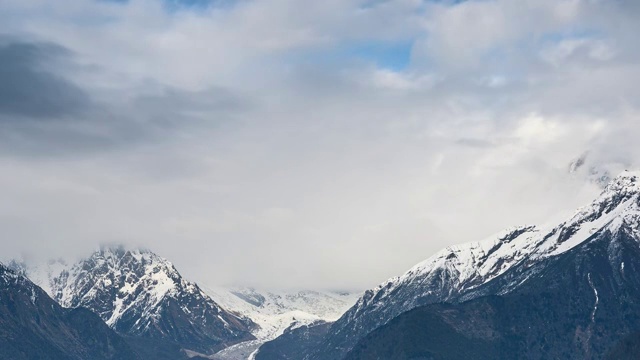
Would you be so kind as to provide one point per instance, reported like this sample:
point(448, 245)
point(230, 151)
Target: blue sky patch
point(394, 56)
point(389, 55)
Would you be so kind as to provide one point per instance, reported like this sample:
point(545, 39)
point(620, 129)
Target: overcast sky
point(313, 144)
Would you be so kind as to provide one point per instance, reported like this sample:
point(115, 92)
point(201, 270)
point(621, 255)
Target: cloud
point(284, 143)
point(44, 112)
point(27, 90)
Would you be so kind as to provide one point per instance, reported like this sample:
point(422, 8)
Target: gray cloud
point(30, 91)
point(43, 113)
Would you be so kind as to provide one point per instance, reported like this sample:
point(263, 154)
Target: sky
point(299, 144)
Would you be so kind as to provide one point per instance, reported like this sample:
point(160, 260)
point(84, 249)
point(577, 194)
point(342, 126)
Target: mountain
point(125, 285)
point(576, 305)
point(142, 295)
point(34, 326)
point(464, 272)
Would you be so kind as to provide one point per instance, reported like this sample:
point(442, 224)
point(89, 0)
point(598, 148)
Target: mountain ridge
point(462, 272)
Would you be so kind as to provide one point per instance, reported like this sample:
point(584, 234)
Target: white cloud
point(246, 144)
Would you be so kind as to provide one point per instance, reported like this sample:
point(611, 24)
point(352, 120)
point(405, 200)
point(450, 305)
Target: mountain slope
point(140, 294)
point(464, 272)
point(33, 326)
point(577, 305)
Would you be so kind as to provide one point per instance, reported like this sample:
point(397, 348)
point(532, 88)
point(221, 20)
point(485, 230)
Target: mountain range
point(144, 299)
point(520, 260)
point(566, 291)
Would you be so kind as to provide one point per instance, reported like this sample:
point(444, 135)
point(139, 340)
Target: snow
point(611, 221)
point(595, 308)
point(597, 300)
point(278, 310)
point(473, 260)
point(241, 351)
point(253, 355)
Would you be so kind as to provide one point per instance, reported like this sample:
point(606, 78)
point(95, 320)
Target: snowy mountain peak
point(137, 292)
point(120, 274)
point(618, 204)
point(477, 262)
point(120, 257)
point(626, 183)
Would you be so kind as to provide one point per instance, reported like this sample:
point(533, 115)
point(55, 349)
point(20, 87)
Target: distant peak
point(627, 181)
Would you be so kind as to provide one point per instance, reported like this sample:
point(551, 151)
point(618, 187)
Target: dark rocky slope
point(293, 343)
point(33, 326)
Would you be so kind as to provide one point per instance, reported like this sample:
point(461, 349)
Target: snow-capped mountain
point(470, 270)
point(138, 293)
point(580, 304)
point(274, 311)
